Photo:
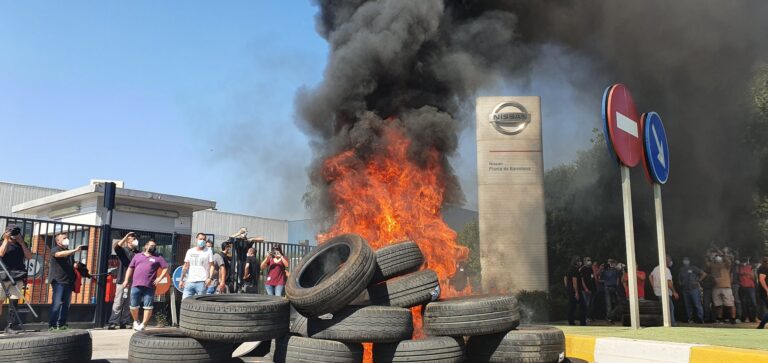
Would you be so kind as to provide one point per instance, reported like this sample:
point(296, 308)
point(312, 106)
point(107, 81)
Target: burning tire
point(234, 318)
point(474, 315)
point(292, 348)
point(532, 344)
point(331, 276)
point(67, 346)
point(355, 324)
point(397, 259)
point(405, 291)
point(171, 345)
point(433, 349)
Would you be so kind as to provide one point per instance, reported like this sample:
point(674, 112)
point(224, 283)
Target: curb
point(609, 350)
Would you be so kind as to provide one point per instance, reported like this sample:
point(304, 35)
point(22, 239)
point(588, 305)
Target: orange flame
point(388, 198)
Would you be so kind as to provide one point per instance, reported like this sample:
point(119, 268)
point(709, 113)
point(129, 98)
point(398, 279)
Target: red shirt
point(640, 284)
point(746, 277)
point(276, 272)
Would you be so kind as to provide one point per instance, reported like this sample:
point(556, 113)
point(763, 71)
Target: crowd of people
point(724, 288)
point(140, 270)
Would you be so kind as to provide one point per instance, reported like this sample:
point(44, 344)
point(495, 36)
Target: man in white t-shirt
point(199, 263)
point(656, 283)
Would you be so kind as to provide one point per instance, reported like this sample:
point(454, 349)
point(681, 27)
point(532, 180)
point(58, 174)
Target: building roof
point(97, 189)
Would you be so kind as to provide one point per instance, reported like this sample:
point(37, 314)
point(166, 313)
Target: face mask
point(719, 259)
point(83, 262)
point(588, 263)
point(152, 250)
point(738, 262)
point(65, 242)
point(135, 243)
point(201, 243)
point(686, 263)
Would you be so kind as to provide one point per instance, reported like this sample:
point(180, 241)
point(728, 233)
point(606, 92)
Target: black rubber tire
point(171, 345)
point(234, 318)
point(397, 259)
point(647, 307)
point(527, 344)
point(405, 291)
point(291, 348)
point(60, 346)
point(331, 276)
point(432, 349)
point(359, 324)
point(646, 320)
point(473, 315)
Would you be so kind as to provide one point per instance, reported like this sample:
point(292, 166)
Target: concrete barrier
point(622, 350)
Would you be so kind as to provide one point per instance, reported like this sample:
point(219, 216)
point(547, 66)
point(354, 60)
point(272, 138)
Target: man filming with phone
point(13, 252)
point(62, 275)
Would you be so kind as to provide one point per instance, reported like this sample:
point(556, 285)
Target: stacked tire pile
point(73, 346)
point(345, 295)
point(650, 313)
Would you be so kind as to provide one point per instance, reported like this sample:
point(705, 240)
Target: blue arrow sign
point(656, 148)
point(177, 278)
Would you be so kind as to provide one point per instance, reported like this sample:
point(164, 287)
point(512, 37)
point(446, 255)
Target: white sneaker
point(140, 327)
point(135, 325)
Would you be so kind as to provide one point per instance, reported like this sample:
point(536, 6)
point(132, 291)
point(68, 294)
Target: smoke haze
point(424, 62)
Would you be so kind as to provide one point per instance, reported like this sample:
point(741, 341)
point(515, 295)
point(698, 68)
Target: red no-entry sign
point(624, 125)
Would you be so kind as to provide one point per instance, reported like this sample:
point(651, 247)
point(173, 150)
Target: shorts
point(722, 296)
point(14, 293)
point(144, 295)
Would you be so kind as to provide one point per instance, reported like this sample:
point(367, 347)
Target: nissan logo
point(509, 118)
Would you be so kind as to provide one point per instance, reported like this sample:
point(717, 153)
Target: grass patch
point(735, 338)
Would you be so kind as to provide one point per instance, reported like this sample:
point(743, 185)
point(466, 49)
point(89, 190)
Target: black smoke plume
point(424, 62)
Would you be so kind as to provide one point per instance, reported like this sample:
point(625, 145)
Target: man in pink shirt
point(143, 269)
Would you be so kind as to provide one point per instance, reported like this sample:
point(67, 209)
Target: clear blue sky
point(195, 98)
point(190, 98)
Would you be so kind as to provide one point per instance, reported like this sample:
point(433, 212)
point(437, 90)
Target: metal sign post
point(662, 255)
point(629, 234)
point(622, 128)
point(656, 165)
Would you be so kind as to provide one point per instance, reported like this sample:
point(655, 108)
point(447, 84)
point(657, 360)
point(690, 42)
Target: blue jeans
point(274, 290)
point(748, 303)
point(142, 295)
point(611, 302)
point(692, 300)
point(193, 288)
point(62, 294)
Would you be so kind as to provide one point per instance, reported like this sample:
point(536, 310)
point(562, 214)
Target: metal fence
point(39, 236)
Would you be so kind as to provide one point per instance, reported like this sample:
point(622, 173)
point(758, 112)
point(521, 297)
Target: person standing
point(275, 263)
point(220, 268)
point(689, 279)
point(124, 249)
point(640, 283)
point(656, 284)
point(199, 263)
point(722, 295)
point(736, 287)
point(610, 278)
point(143, 277)
point(762, 281)
point(574, 288)
point(748, 297)
point(251, 271)
point(62, 275)
point(588, 284)
point(13, 252)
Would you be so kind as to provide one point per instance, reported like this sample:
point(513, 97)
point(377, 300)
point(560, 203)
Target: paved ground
point(112, 346)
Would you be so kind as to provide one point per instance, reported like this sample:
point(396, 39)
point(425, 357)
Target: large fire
point(388, 198)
